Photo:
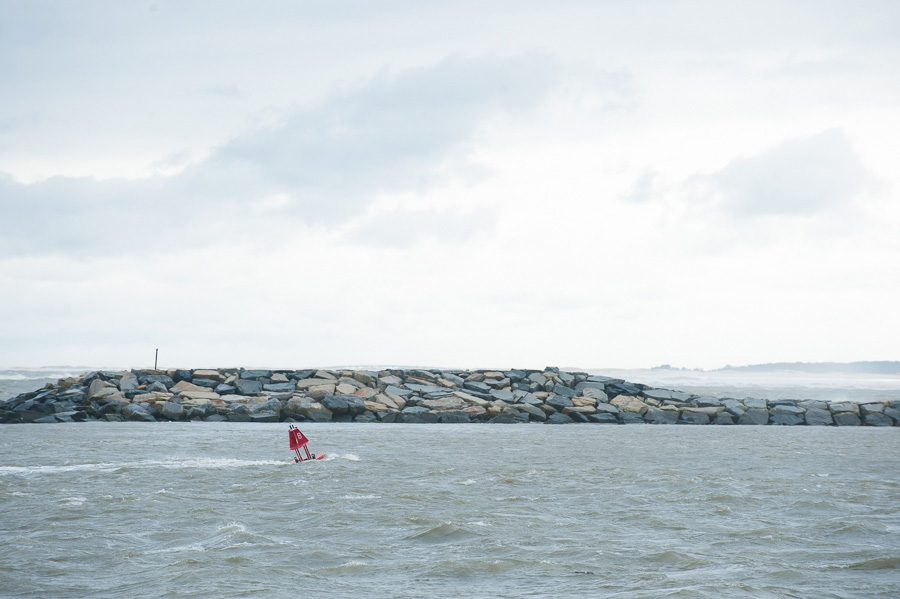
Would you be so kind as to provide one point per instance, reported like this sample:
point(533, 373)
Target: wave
point(170, 463)
point(24, 377)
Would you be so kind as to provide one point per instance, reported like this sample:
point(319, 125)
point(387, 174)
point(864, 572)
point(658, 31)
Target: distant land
point(872, 367)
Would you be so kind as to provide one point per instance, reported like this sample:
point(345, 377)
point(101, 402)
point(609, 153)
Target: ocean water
point(220, 510)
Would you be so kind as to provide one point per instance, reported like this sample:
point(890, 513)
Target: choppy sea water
point(220, 510)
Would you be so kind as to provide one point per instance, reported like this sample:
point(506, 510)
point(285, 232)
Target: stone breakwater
point(410, 396)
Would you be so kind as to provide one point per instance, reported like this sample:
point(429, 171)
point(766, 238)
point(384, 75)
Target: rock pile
point(415, 395)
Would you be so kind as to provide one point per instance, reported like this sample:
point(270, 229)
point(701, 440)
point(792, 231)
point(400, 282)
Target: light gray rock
point(752, 403)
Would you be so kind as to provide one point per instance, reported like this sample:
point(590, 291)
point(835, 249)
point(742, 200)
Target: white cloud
point(796, 178)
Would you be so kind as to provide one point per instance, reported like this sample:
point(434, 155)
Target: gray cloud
point(325, 163)
point(796, 178)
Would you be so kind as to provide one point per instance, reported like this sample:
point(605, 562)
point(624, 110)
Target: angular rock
point(724, 418)
point(657, 416)
point(629, 404)
point(662, 394)
point(603, 418)
point(787, 419)
point(694, 418)
point(559, 402)
point(279, 387)
point(534, 412)
point(877, 419)
point(754, 416)
point(559, 418)
point(248, 387)
point(846, 419)
point(172, 410)
point(816, 417)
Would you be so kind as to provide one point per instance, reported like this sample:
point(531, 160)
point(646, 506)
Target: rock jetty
point(549, 396)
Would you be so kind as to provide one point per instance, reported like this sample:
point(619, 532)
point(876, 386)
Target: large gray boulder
point(172, 410)
point(877, 419)
point(817, 417)
point(273, 405)
point(694, 418)
point(136, 411)
point(656, 416)
point(248, 387)
point(754, 416)
point(787, 419)
point(559, 418)
point(534, 412)
point(664, 394)
point(559, 402)
point(846, 419)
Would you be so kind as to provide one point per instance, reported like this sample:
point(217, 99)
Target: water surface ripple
point(219, 510)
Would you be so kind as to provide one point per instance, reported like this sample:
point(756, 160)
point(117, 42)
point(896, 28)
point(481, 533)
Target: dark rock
point(264, 416)
point(224, 389)
point(707, 402)
point(453, 417)
point(877, 419)
point(754, 416)
point(817, 417)
point(578, 417)
point(366, 416)
point(273, 405)
point(391, 389)
point(657, 416)
point(787, 419)
point(156, 387)
point(147, 379)
point(694, 418)
point(559, 402)
point(477, 387)
point(280, 387)
point(603, 418)
point(182, 375)
point(534, 412)
point(238, 416)
point(846, 419)
point(248, 387)
point(613, 389)
point(215, 418)
point(724, 418)
point(208, 383)
point(172, 410)
point(498, 383)
point(564, 391)
point(630, 418)
point(664, 394)
point(255, 375)
point(559, 418)
point(580, 387)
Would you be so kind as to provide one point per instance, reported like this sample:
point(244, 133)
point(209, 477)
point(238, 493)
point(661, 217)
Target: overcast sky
point(460, 184)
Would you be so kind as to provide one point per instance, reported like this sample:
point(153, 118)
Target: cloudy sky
point(465, 184)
